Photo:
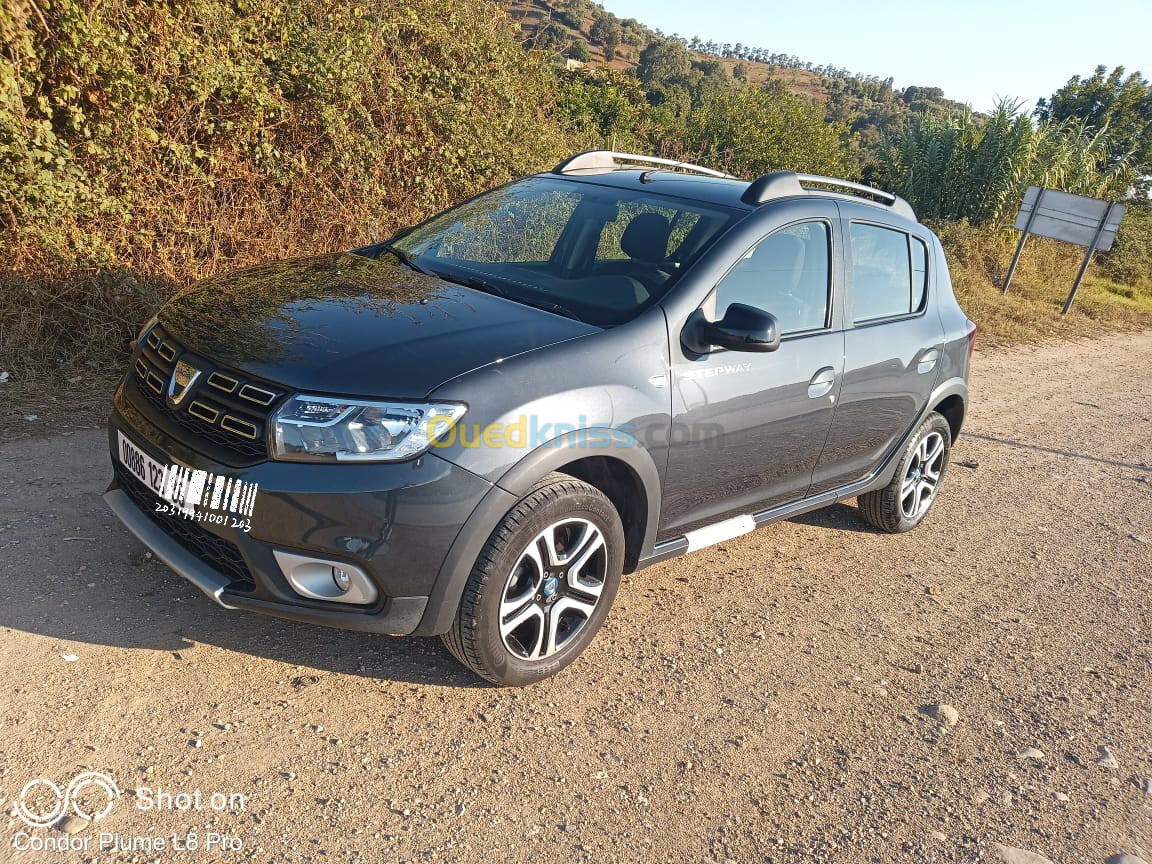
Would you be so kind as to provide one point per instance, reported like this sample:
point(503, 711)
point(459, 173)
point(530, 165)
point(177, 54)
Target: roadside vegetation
point(144, 146)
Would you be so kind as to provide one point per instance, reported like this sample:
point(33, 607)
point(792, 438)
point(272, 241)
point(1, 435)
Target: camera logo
point(91, 796)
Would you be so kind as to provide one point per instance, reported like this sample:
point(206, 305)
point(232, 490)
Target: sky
point(976, 51)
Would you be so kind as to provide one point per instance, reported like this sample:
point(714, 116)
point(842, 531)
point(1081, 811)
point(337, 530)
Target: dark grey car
point(474, 429)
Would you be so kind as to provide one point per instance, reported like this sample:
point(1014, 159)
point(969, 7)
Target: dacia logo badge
point(183, 377)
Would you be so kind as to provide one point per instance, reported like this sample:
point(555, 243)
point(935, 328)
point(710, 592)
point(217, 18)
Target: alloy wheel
point(923, 476)
point(553, 588)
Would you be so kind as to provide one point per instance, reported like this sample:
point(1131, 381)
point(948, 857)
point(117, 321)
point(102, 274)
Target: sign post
point(1087, 222)
point(1087, 261)
point(1023, 238)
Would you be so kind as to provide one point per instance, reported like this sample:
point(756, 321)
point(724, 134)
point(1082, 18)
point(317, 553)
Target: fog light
point(321, 579)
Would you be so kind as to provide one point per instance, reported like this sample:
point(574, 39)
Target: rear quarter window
point(889, 273)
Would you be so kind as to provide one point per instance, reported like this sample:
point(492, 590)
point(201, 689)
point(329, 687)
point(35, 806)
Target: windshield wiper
point(482, 285)
point(557, 309)
point(491, 288)
point(403, 257)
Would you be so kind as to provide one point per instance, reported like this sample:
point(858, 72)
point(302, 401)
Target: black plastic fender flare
point(512, 486)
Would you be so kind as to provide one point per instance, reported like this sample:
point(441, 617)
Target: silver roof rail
point(606, 160)
point(782, 184)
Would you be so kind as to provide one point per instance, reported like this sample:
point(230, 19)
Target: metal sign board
point(1071, 218)
point(1087, 222)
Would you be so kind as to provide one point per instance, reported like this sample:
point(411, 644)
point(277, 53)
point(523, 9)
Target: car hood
point(350, 325)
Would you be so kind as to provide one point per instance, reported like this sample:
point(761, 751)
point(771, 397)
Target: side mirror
point(743, 328)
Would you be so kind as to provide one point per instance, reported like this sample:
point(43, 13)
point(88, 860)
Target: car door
point(748, 428)
point(892, 344)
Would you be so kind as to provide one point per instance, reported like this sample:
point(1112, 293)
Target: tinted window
point(919, 272)
point(787, 274)
point(889, 272)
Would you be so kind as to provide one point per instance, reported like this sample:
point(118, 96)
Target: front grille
point(225, 412)
point(214, 551)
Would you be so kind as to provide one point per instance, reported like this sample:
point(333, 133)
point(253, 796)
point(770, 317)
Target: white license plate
point(144, 467)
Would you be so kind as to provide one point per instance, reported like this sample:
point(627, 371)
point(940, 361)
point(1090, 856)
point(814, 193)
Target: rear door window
point(889, 273)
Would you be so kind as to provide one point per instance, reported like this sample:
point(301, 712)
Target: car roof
point(693, 187)
point(724, 191)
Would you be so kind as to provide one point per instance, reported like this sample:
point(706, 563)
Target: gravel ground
point(775, 698)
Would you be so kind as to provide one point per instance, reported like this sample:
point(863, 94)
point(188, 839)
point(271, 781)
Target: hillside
point(585, 32)
point(535, 15)
point(144, 146)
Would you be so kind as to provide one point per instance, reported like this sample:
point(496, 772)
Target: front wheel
point(541, 586)
point(903, 503)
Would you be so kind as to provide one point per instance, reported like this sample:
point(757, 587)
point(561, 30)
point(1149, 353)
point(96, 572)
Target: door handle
point(927, 360)
point(821, 383)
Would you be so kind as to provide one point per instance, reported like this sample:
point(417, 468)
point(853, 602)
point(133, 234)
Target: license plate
point(146, 469)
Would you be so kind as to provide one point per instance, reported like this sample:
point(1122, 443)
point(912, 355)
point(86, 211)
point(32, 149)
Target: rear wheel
point(541, 586)
point(903, 503)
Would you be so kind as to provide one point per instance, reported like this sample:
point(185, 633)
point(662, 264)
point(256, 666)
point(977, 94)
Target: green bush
point(749, 131)
point(169, 141)
point(978, 169)
point(578, 50)
point(1130, 258)
point(602, 108)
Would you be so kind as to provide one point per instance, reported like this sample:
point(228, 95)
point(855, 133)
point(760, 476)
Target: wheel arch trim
point(953, 388)
point(515, 483)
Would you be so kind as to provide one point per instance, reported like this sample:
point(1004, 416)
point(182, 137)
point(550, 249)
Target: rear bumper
point(395, 522)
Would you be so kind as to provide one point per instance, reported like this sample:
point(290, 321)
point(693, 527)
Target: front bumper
point(396, 522)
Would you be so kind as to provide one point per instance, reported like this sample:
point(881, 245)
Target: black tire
point(558, 503)
point(888, 508)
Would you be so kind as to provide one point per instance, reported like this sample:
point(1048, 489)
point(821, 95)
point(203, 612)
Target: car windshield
point(597, 253)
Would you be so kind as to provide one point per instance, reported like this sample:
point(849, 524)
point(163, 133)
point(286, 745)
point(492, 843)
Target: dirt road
point(757, 701)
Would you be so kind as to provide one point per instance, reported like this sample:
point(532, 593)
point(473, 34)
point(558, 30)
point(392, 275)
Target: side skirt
point(734, 527)
point(718, 532)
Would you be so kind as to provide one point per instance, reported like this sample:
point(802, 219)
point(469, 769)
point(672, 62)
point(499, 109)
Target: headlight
point(323, 429)
point(148, 325)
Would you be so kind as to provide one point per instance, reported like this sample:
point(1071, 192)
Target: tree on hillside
point(709, 68)
point(551, 35)
point(1122, 105)
point(913, 94)
point(572, 12)
point(663, 61)
point(632, 33)
point(606, 33)
point(578, 50)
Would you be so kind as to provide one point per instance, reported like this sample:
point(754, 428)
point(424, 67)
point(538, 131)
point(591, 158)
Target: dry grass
point(1030, 311)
